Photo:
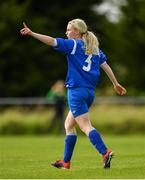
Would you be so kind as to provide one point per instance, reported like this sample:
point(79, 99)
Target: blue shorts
point(79, 100)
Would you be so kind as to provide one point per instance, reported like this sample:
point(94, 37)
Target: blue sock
point(97, 141)
point(70, 142)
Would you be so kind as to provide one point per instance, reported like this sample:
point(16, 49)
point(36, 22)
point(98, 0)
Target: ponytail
point(91, 43)
point(89, 38)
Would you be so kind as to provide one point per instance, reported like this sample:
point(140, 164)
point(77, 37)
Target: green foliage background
point(29, 68)
point(108, 119)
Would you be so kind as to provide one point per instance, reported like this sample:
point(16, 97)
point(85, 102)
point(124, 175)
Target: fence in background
point(11, 101)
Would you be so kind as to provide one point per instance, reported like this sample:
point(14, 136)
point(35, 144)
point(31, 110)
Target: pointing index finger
point(24, 24)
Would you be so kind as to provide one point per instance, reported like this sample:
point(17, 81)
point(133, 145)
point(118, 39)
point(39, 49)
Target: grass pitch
point(29, 157)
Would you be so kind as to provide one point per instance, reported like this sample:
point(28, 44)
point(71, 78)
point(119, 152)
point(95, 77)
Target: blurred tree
point(27, 67)
point(133, 51)
point(126, 44)
point(12, 70)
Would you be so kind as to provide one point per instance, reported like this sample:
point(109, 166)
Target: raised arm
point(117, 87)
point(43, 38)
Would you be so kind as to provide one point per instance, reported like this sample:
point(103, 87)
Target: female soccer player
point(84, 61)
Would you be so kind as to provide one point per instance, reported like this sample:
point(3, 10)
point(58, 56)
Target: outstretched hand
point(25, 31)
point(120, 89)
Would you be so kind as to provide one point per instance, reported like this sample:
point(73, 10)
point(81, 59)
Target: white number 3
point(88, 60)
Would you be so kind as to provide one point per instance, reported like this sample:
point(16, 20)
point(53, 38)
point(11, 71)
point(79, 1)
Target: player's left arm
point(26, 31)
point(117, 87)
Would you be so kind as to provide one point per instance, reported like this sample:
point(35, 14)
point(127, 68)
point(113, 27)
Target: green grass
point(23, 157)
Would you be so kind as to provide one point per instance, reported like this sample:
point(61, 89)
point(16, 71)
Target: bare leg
point(71, 137)
point(85, 125)
point(70, 124)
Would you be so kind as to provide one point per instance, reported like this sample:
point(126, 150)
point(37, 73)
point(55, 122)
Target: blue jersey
point(83, 70)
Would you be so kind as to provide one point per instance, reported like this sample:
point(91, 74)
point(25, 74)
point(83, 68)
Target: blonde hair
point(89, 38)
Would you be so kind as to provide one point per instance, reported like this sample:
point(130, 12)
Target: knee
point(83, 128)
point(69, 129)
point(67, 126)
point(86, 129)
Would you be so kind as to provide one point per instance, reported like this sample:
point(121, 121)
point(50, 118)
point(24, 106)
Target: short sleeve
point(103, 57)
point(64, 45)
